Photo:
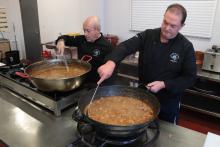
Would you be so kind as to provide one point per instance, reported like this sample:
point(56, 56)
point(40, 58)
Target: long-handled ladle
point(66, 64)
point(92, 98)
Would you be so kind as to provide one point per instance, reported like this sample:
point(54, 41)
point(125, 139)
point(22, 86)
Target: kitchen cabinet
point(204, 96)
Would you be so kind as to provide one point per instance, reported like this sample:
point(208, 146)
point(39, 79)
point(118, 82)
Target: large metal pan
point(57, 84)
point(116, 90)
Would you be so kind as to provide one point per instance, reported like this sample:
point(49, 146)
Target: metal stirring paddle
point(64, 60)
point(66, 64)
point(92, 97)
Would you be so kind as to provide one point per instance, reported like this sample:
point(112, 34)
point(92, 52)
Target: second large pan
point(57, 83)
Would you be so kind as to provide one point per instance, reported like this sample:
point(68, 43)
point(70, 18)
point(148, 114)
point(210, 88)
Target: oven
point(203, 97)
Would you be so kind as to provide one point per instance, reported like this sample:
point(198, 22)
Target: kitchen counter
point(208, 75)
point(22, 125)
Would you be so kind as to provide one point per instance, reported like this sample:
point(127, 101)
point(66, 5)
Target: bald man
point(91, 43)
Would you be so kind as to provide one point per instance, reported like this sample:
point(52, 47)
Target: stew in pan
point(120, 110)
point(59, 71)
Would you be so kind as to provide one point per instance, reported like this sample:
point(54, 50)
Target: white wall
point(89, 8)
point(203, 44)
point(64, 16)
point(117, 18)
point(55, 17)
point(117, 21)
point(14, 17)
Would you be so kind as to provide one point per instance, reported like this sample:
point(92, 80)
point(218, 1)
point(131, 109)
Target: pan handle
point(86, 58)
point(23, 75)
point(84, 128)
point(142, 86)
point(153, 126)
point(77, 115)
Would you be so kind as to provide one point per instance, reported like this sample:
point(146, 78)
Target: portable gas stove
point(54, 101)
point(90, 138)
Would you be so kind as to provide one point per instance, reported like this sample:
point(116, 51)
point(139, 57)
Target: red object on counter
point(46, 54)
point(113, 39)
point(86, 58)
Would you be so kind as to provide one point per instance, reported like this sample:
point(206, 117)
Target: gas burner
point(90, 138)
point(54, 101)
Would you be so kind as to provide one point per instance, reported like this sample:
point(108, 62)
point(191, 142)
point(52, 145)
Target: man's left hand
point(155, 86)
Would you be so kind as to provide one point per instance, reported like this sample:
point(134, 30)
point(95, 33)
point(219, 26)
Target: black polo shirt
point(98, 50)
point(172, 62)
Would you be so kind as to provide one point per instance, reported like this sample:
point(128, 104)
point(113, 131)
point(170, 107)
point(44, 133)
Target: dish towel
point(212, 140)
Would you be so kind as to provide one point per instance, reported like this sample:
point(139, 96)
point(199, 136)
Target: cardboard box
point(4, 46)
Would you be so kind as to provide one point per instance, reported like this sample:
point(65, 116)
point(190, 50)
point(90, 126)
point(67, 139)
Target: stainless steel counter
point(131, 60)
point(22, 125)
point(208, 75)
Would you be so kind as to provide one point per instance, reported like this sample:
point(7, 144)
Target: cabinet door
point(203, 97)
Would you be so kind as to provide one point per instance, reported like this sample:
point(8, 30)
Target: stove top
point(54, 101)
point(92, 139)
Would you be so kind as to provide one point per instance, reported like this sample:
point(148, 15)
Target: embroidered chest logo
point(96, 52)
point(174, 57)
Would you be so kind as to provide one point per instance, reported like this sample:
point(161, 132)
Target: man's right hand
point(60, 47)
point(105, 71)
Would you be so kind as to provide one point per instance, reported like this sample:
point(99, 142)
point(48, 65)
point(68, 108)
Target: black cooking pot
point(112, 130)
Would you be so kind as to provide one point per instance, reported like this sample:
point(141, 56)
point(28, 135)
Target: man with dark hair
point(91, 43)
point(166, 61)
